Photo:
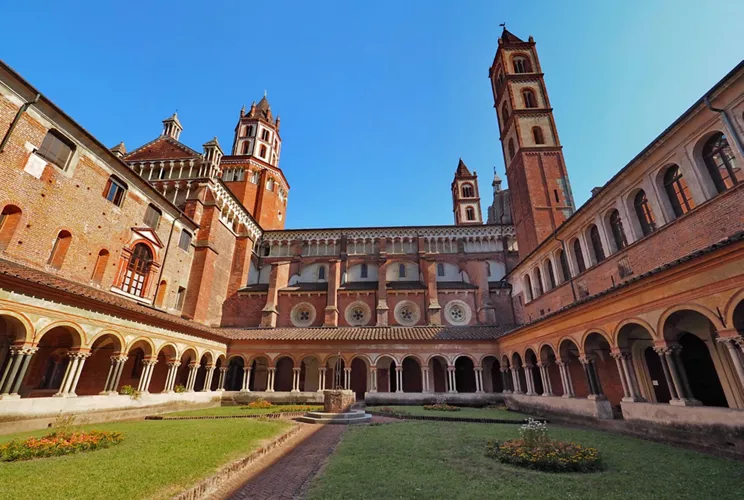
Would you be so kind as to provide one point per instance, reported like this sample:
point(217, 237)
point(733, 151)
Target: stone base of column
point(567, 396)
point(685, 402)
point(294, 390)
point(629, 399)
point(68, 395)
point(596, 397)
point(10, 396)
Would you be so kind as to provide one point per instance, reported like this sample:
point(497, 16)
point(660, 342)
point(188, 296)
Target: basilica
point(167, 268)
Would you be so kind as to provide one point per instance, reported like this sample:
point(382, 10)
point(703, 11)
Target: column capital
point(398, 368)
point(223, 369)
point(78, 354)
point(169, 363)
point(733, 340)
point(663, 350)
point(246, 369)
point(322, 369)
point(23, 350)
point(296, 369)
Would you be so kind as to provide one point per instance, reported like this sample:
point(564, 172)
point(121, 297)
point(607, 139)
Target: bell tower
point(539, 188)
point(465, 197)
point(257, 134)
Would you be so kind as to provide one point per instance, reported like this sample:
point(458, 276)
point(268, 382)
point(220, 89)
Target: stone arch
point(632, 321)
point(412, 376)
point(191, 351)
point(685, 307)
point(283, 355)
point(569, 353)
point(113, 333)
point(465, 373)
point(386, 365)
point(363, 356)
point(492, 379)
point(437, 364)
point(634, 337)
point(531, 360)
point(144, 343)
point(77, 332)
point(732, 305)
point(309, 372)
point(220, 357)
point(414, 356)
point(209, 355)
point(235, 372)
point(359, 376)
point(548, 356)
point(48, 368)
point(94, 374)
point(601, 368)
point(465, 355)
point(259, 365)
point(19, 325)
point(598, 331)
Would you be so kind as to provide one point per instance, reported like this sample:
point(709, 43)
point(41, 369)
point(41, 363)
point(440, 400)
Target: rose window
point(457, 314)
point(406, 313)
point(303, 315)
point(357, 314)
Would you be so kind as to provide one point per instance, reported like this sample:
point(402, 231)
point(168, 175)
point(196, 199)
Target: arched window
point(504, 112)
point(364, 271)
point(596, 243)
point(579, 256)
point(564, 264)
point(245, 147)
point(721, 164)
point(321, 273)
point(138, 269)
point(677, 191)
point(401, 270)
point(59, 250)
point(262, 152)
point(467, 191)
point(511, 149)
point(9, 219)
point(537, 134)
point(100, 268)
point(249, 131)
point(644, 214)
point(529, 98)
point(551, 274)
point(440, 269)
point(618, 234)
point(538, 277)
point(470, 213)
point(527, 287)
point(521, 65)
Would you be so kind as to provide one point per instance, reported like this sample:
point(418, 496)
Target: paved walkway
point(289, 477)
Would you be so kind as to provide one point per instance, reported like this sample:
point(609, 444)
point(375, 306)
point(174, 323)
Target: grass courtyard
point(426, 460)
point(156, 460)
point(231, 411)
point(464, 412)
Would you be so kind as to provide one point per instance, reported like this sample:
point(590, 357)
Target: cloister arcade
point(59, 360)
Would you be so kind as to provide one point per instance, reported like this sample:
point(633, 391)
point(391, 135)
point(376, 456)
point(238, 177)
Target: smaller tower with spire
point(500, 210)
point(466, 197)
point(172, 127)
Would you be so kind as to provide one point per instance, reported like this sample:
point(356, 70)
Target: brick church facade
point(169, 267)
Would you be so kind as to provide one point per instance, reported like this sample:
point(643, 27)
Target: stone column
point(626, 361)
point(221, 380)
point(246, 387)
point(528, 378)
point(170, 381)
point(398, 379)
point(82, 356)
point(272, 372)
point(667, 376)
point(677, 357)
point(669, 355)
point(296, 379)
point(144, 384)
point(373, 378)
point(109, 377)
point(15, 370)
point(545, 378)
point(517, 383)
point(453, 379)
point(208, 379)
point(321, 379)
point(191, 382)
point(425, 379)
point(618, 361)
point(347, 378)
point(733, 344)
point(479, 380)
point(70, 372)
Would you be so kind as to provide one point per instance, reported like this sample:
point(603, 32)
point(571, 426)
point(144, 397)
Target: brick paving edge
point(207, 486)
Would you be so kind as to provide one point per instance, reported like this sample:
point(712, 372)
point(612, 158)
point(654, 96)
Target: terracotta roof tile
point(162, 148)
point(373, 333)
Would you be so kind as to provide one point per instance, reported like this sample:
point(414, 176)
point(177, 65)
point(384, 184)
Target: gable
point(162, 148)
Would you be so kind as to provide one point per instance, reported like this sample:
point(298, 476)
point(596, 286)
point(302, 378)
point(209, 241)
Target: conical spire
point(462, 169)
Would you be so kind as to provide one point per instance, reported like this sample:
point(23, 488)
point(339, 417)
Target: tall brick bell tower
point(541, 195)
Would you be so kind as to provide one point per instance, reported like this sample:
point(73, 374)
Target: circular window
point(407, 313)
point(457, 312)
point(302, 314)
point(358, 313)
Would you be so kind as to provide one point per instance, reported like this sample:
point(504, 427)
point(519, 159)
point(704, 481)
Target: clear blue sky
point(378, 99)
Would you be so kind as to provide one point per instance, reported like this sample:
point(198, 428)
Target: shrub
point(441, 407)
point(179, 388)
point(130, 391)
point(535, 450)
point(260, 403)
point(57, 444)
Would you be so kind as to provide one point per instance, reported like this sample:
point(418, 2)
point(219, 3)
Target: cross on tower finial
point(264, 92)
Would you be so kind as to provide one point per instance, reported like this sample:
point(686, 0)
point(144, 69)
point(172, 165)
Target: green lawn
point(238, 410)
point(156, 460)
point(463, 413)
point(432, 460)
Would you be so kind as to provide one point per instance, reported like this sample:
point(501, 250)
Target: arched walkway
point(386, 375)
point(532, 371)
point(412, 381)
point(573, 370)
point(96, 371)
point(309, 374)
point(161, 372)
point(601, 369)
point(465, 375)
point(520, 380)
point(438, 374)
point(259, 379)
point(640, 364)
point(551, 372)
point(48, 373)
point(692, 360)
point(334, 373)
point(492, 378)
point(235, 374)
point(359, 374)
point(284, 374)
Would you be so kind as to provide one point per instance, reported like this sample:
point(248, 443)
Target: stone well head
point(338, 401)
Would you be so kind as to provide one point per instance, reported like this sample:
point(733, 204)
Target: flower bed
point(535, 450)
point(441, 407)
point(259, 403)
point(57, 444)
